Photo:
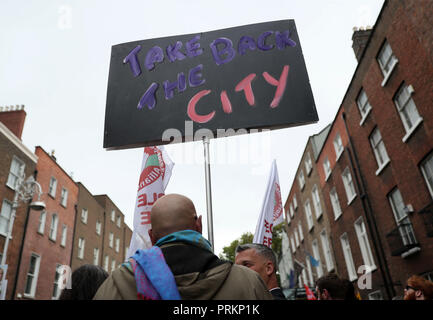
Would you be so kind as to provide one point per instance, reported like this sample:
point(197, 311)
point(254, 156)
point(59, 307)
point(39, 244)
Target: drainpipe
point(371, 221)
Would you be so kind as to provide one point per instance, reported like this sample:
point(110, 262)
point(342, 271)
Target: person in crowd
point(350, 290)
point(261, 259)
point(418, 288)
point(85, 282)
point(331, 287)
point(181, 264)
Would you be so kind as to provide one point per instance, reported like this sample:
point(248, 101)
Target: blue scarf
point(188, 236)
point(153, 277)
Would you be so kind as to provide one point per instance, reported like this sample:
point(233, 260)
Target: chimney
point(13, 118)
point(360, 38)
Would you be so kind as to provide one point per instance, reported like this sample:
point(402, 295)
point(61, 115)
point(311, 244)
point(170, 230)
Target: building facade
point(15, 159)
point(48, 236)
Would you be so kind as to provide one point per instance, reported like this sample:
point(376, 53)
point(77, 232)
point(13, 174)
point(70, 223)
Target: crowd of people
point(181, 265)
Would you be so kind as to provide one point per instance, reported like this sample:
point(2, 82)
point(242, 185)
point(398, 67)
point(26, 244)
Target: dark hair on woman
point(350, 290)
point(86, 280)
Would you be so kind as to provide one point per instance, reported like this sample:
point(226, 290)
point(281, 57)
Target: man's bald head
point(171, 213)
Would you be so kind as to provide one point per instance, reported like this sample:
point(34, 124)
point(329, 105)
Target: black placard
point(248, 77)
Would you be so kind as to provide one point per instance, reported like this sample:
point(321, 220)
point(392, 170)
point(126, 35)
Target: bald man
point(198, 273)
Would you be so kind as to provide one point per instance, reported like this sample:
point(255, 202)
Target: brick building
point(389, 114)
point(101, 236)
point(307, 225)
point(48, 236)
point(117, 235)
point(15, 156)
point(89, 232)
point(376, 164)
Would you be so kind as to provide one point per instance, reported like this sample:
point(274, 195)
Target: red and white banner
point(272, 209)
point(155, 174)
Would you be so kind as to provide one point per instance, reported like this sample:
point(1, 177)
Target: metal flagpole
point(208, 191)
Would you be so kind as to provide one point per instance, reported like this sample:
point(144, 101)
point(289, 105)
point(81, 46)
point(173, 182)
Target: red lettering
point(227, 106)
point(245, 85)
point(267, 241)
point(145, 217)
point(191, 108)
point(268, 227)
point(142, 200)
point(280, 84)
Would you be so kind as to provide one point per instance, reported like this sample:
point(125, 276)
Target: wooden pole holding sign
point(208, 191)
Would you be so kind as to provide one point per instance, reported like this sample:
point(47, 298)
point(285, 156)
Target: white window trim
point(412, 130)
point(365, 116)
point(351, 276)
point(35, 277)
point(383, 166)
point(326, 247)
point(373, 267)
point(336, 217)
point(424, 174)
point(64, 197)
point(42, 225)
point(53, 236)
point(318, 214)
point(64, 235)
point(53, 195)
point(22, 168)
point(11, 204)
point(388, 75)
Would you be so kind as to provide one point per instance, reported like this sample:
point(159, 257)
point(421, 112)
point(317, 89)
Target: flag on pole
point(272, 209)
point(155, 174)
point(310, 294)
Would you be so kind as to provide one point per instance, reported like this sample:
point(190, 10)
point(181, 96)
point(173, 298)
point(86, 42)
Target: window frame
point(309, 215)
point(7, 220)
point(379, 150)
point(428, 159)
point(64, 236)
point(335, 201)
point(35, 276)
point(364, 244)
point(327, 252)
point(338, 146)
point(347, 185)
point(64, 197)
point(15, 175)
point(52, 187)
point(348, 256)
point(318, 209)
point(53, 229)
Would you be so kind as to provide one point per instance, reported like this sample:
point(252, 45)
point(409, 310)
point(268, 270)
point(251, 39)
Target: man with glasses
point(418, 288)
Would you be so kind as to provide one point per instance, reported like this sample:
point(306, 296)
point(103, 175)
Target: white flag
point(155, 173)
point(272, 210)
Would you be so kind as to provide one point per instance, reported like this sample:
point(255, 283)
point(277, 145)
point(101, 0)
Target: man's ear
point(152, 238)
point(269, 268)
point(418, 293)
point(198, 225)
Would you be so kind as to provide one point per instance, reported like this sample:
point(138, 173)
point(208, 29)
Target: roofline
point(56, 164)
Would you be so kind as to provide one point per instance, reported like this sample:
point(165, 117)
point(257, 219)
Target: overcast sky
point(54, 59)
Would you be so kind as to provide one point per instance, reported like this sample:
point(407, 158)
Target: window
point(32, 275)
point(296, 238)
point(350, 265)
point(98, 227)
point(288, 217)
point(301, 233)
point(379, 150)
point(327, 168)
point(308, 164)
point(310, 271)
point(301, 179)
point(106, 263)
point(363, 105)
point(405, 226)
point(376, 295)
point(81, 245)
point(316, 202)
point(387, 61)
point(295, 203)
point(110, 240)
point(316, 255)
point(5, 216)
point(53, 228)
point(309, 215)
point(348, 185)
point(292, 211)
point(338, 146)
point(126, 253)
point(64, 235)
point(15, 173)
point(117, 244)
point(364, 244)
point(42, 219)
point(96, 256)
point(427, 171)
point(119, 221)
point(327, 251)
point(84, 215)
point(113, 215)
point(56, 289)
point(407, 109)
point(52, 188)
point(292, 242)
point(113, 265)
point(64, 197)
point(335, 203)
